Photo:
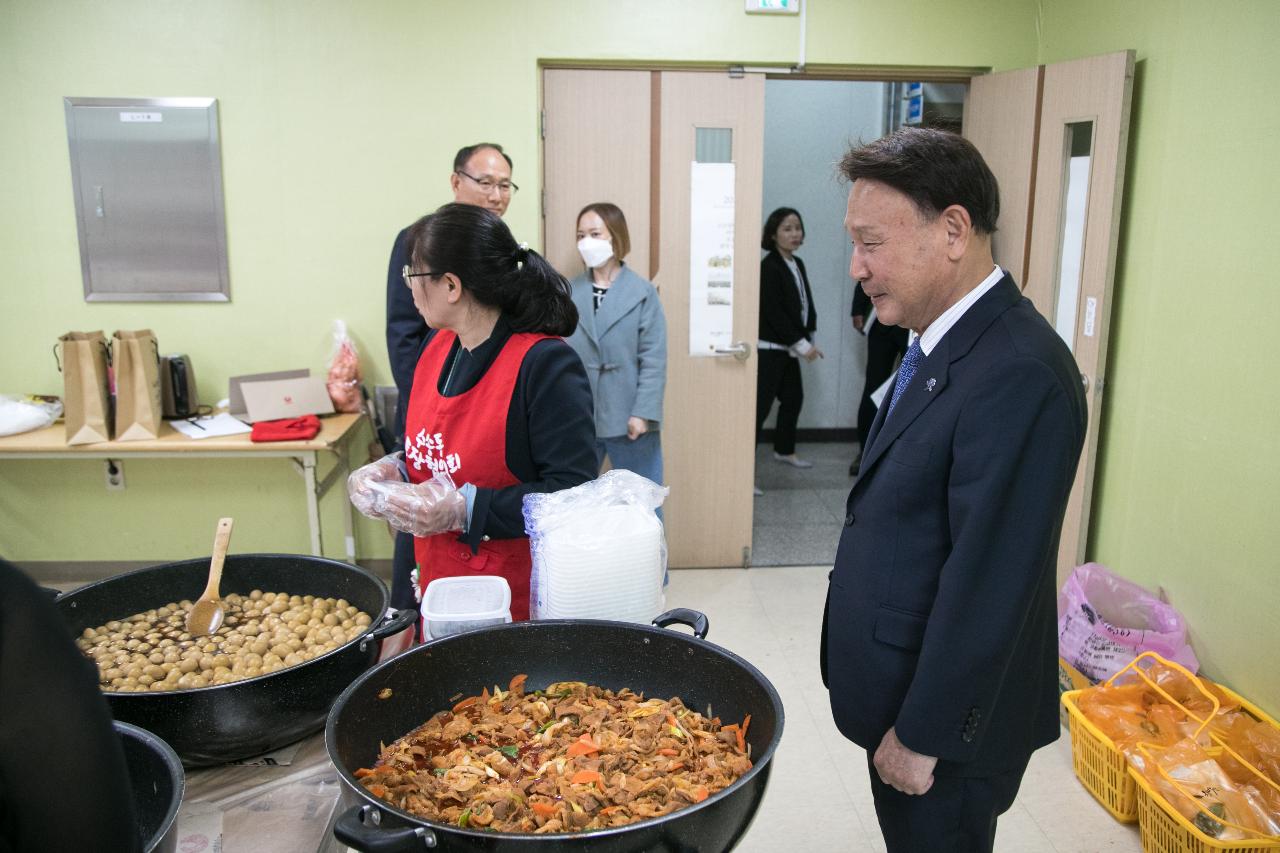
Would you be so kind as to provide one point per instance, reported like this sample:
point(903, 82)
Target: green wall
point(1190, 461)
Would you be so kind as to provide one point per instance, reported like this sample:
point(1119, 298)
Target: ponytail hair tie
point(521, 255)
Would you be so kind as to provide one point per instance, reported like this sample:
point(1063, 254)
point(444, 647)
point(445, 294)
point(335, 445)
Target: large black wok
point(210, 725)
point(158, 783)
point(657, 662)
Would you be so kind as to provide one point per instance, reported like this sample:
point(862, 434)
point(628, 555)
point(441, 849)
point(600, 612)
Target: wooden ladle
point(206, 614)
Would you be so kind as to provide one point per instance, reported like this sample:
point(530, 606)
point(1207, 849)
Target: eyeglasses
point(504, 187)
point(408, 276)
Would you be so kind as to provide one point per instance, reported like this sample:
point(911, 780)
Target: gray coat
point(624, 348)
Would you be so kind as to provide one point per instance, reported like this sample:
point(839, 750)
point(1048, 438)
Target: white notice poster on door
point(710, 258)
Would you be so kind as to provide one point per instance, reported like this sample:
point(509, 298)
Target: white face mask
point(594, 251)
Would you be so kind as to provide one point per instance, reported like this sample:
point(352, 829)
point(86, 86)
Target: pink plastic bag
point(1105, 621)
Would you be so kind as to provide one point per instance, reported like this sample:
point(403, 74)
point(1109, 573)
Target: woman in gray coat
point(622, 340)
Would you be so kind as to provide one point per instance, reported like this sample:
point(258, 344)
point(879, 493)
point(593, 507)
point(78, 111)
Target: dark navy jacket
point(406, 331)
point(941, 615)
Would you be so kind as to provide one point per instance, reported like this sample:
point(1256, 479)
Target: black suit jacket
point(780, 321)
point(896, 335)
point(406, 331)
point(941, 616)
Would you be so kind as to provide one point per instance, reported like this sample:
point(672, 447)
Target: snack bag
point(344, 372)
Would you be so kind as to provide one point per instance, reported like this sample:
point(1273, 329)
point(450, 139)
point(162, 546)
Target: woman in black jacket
point(787, 324)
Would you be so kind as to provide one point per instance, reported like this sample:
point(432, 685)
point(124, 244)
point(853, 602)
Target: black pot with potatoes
point(270, 703)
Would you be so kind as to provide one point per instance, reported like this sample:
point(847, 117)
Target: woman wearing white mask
point(622, 340)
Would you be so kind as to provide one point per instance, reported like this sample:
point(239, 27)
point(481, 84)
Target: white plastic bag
point(598, 550)
point(23, 414)
point(1105, 621)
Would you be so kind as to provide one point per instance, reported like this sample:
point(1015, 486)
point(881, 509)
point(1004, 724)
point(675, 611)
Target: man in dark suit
point(481, 177)
point(885, 345)
point(939, 641)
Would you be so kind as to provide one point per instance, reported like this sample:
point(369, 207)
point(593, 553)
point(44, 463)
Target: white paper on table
point(211, 426)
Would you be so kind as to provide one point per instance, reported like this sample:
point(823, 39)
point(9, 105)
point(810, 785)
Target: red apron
point(466, 436)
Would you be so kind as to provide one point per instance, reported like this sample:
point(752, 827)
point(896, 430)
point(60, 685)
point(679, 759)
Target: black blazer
point(941, 614)
point(406, 331)
point(862, 307)
point(780, 302)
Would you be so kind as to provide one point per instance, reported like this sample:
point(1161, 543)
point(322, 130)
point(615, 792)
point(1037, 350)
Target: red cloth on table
point(286, 429)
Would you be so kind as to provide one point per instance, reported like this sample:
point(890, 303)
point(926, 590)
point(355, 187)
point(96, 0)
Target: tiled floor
point(819, 798)
point(797, 520)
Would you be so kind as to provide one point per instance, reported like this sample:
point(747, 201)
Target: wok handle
point(394, 624)
point(358, 828)
point(684, 616)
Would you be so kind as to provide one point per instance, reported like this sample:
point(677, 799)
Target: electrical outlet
point(115, 475)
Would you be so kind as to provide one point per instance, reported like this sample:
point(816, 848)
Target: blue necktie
point(910, 362)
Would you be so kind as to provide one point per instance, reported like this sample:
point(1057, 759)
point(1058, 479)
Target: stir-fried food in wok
point(568, 758)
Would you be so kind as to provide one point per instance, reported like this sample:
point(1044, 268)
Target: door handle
point(741, 350)
point(1084, 380)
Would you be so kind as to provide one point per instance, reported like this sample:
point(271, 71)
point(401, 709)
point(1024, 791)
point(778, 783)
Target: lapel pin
point(928, 386)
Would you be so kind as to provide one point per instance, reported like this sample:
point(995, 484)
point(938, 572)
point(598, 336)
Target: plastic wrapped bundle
point(598, 550)
point(344, 372)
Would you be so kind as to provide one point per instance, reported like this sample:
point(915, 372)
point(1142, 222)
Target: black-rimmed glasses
point(409, 276)
point(488, 185)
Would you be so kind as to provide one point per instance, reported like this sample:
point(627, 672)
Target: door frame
point(771, 71)
point(862, 73)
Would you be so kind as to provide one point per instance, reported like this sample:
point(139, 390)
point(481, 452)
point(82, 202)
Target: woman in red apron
point(500, 406)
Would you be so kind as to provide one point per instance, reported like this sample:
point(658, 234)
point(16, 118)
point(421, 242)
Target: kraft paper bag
point(136, 356)
point(86, 398)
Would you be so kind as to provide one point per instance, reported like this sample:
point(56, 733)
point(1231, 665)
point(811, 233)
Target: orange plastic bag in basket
point(1188, 692)
point(1256, 742)
point(1194, 783)
point(1118, 711)
point(1158, 705)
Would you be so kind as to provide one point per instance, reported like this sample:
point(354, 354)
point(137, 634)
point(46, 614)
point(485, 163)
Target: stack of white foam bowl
point(603, 564)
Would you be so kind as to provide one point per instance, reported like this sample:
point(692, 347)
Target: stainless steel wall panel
point(147, 175)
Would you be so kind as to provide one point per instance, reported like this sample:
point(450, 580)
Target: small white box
point(453, 605)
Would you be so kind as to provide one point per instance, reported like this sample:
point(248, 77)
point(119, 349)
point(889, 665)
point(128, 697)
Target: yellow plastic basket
point(1166, 830)
point(1098, 764)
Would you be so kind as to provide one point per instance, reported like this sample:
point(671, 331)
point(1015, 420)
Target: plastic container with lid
point(467, 603)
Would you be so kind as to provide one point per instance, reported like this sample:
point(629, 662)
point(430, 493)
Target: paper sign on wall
point(711, 258)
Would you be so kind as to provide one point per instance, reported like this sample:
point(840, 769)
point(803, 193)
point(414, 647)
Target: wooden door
point(1001, 117)
point(1077, 179)
point(709, 436)
point(596, 127)
point(630, 137)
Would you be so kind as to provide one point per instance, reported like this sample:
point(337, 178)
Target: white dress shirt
point(952, 315)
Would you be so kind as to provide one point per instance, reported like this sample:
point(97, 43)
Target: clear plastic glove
point(421, 509)
point(361, 488)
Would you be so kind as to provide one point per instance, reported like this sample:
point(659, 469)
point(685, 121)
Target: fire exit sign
point(774, 7)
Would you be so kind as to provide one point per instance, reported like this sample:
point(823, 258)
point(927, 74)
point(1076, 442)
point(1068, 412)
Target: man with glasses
point(482, 178)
